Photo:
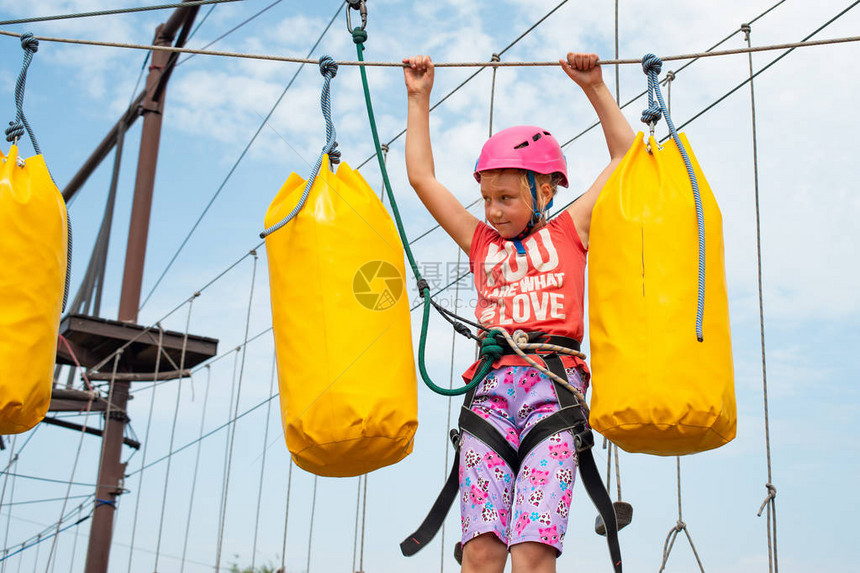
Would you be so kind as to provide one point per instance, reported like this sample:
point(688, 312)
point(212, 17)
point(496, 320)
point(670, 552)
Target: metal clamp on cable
point(359, 5)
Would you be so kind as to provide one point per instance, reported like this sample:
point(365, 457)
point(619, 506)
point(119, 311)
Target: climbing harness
point(542, 352)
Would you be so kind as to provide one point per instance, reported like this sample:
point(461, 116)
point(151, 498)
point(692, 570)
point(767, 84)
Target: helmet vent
point(537, 136)
point(521, 145)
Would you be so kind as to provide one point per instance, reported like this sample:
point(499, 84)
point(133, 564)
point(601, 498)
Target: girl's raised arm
point(583, 69)
point(445, 208)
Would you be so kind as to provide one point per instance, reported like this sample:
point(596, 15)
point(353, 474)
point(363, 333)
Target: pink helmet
point(523, 147)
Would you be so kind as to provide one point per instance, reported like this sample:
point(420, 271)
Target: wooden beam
point(134, 444)
point(140, 376)
point(65, 400)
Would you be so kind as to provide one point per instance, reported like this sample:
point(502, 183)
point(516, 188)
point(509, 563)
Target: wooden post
point(111, 469)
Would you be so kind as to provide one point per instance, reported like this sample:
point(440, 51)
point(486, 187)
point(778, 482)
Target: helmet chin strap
point(538, 215)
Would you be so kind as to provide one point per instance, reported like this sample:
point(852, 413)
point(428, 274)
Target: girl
point(529, 274)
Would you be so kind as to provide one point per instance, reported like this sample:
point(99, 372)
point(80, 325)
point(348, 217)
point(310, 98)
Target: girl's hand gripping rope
point(582, 69)
point(418, 75)
point(459, 223)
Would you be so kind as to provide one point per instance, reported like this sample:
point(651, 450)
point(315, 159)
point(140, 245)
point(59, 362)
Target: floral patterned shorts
point(533, 505)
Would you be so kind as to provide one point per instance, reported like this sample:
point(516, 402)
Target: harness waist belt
point(540, 338)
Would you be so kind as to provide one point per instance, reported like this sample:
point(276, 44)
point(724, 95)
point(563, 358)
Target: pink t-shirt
point(541, 290)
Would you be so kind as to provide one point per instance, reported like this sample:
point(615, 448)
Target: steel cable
point(112, 12)
point(474, 64)
point(223, 519)
point(770, 500)
point(196, 468)
point(173, 429)
point(145, 449)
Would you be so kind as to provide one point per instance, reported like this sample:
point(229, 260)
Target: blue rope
point(652, 65)
point(328, 68)
point(16, 128)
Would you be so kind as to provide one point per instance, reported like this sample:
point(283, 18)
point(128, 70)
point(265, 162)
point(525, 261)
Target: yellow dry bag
point(33, 251)
point(343, 339)
point(655, 388)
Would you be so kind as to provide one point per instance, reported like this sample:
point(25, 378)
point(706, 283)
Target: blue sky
point(806, 119)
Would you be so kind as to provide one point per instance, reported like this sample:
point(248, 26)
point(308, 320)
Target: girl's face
point(506, 207)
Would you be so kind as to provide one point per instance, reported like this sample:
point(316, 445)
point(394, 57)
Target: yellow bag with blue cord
point(33, 261)
point(655, 387)
point(342, 330)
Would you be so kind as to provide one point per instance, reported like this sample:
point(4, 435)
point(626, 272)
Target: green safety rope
point(491, 348)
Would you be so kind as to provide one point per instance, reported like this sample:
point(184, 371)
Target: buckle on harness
point(583, 437)
point(455, 438)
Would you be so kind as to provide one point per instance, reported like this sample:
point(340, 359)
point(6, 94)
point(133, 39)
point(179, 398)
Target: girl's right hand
point(582, 69)
point(418, 75)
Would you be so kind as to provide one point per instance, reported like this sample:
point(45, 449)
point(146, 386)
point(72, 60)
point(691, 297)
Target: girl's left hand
point(582, 69)
point(418, 74)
